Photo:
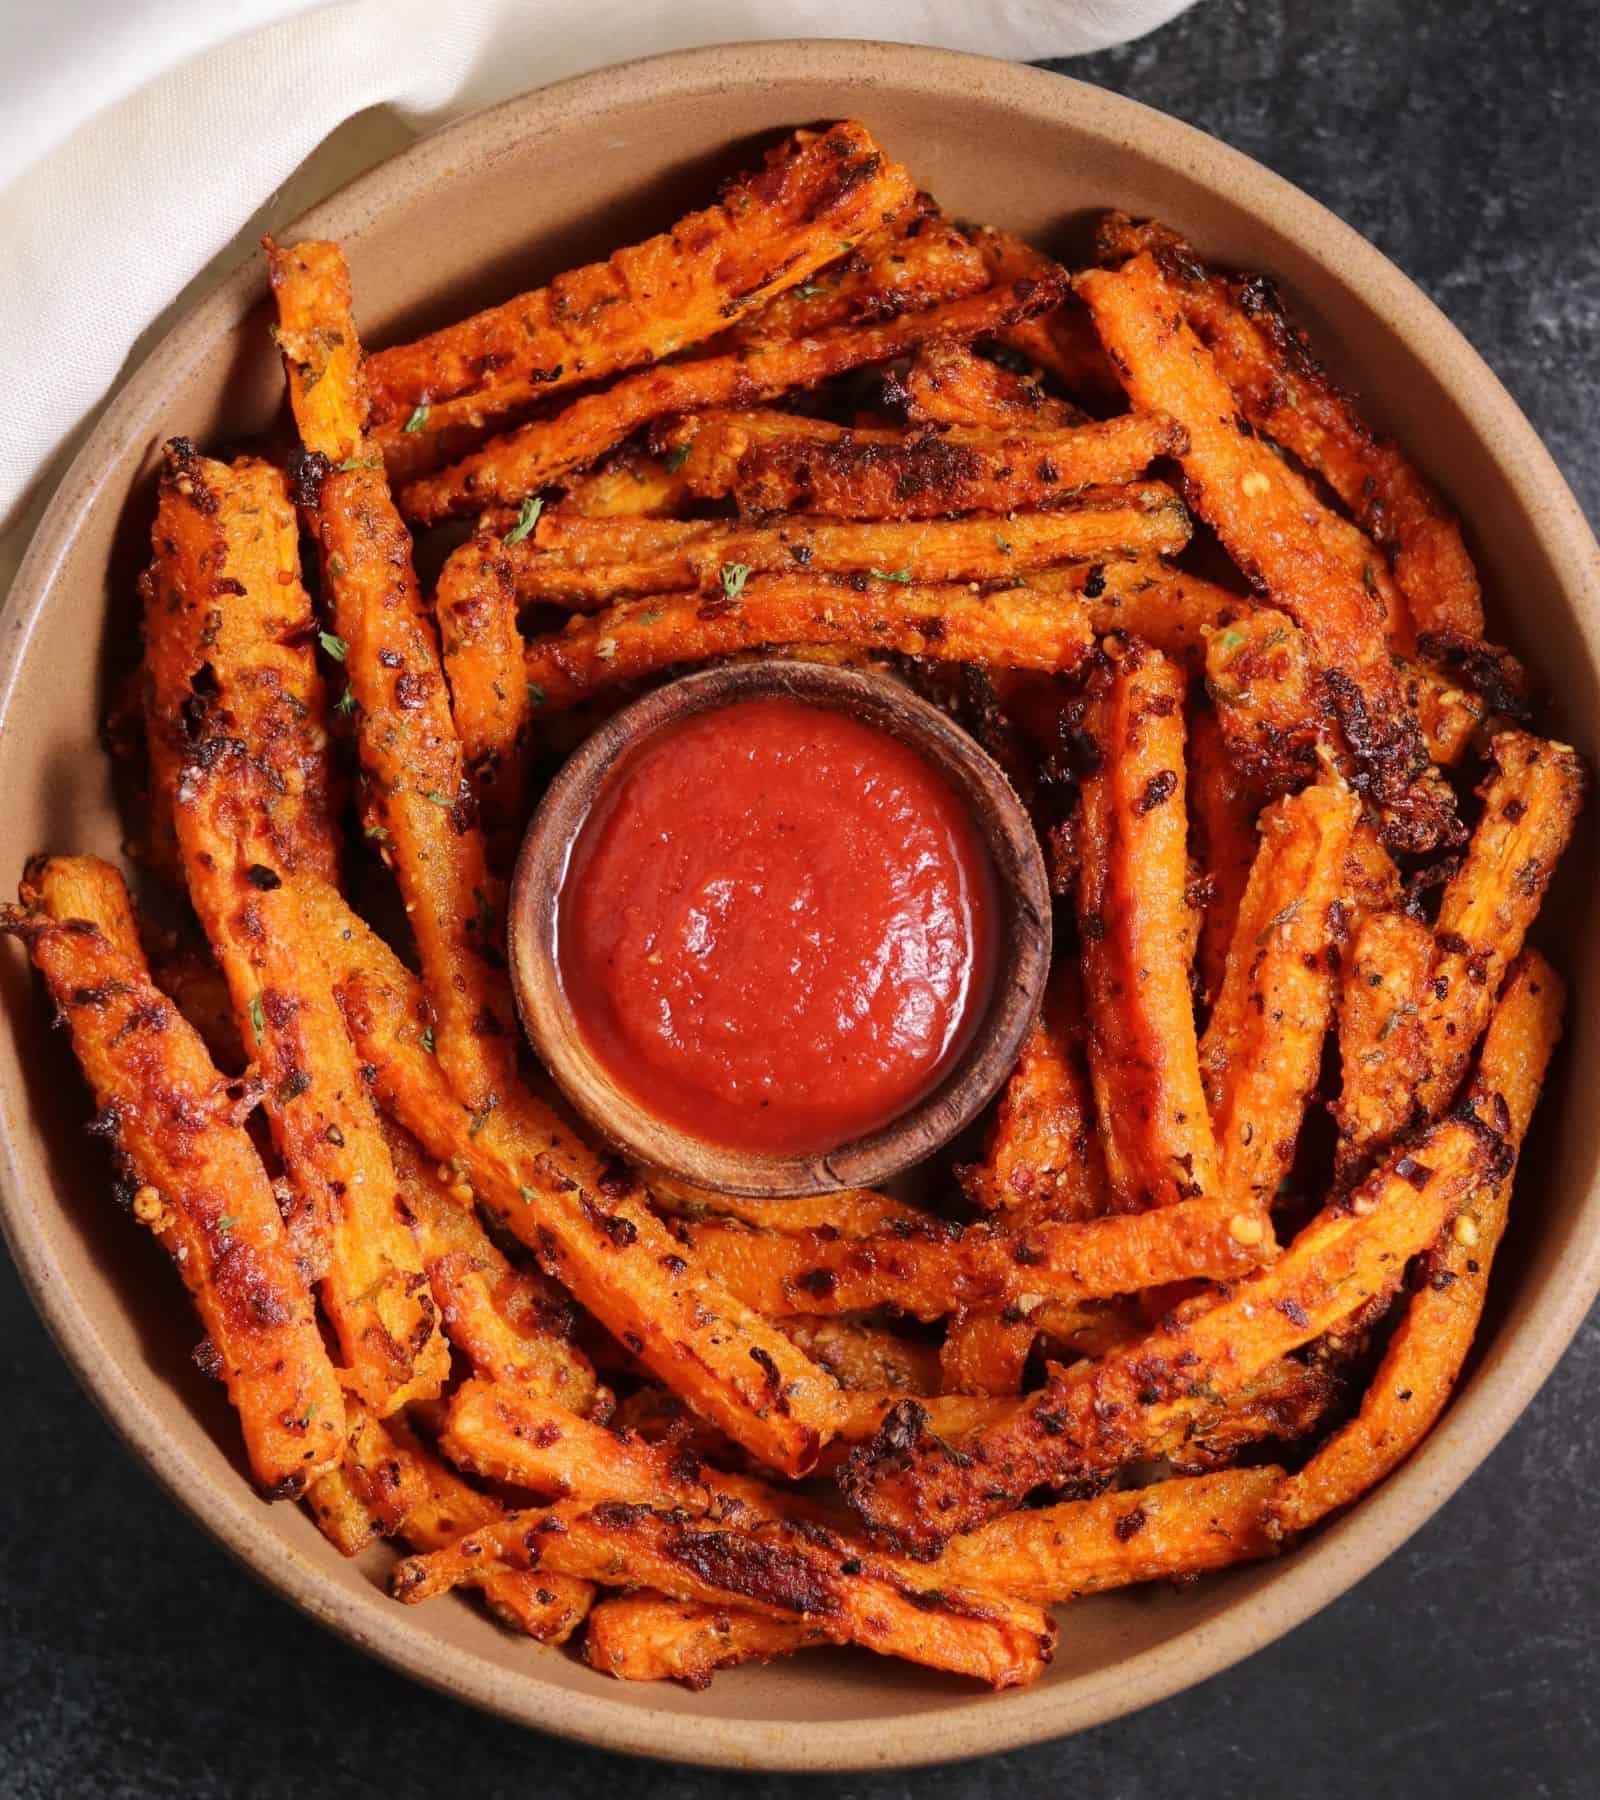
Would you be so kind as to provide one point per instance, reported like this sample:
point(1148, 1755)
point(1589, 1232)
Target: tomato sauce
point(777, 926)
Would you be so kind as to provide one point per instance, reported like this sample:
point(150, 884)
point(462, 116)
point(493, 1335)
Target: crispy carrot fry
point(1531, 800)
point(610, 1251)
point(771, 231)
point(949, 384)
point(476, 606)
point(190, 978)
point(586, 563)
point(1043, 1152)
point(1262, 1050)
point(939, 1268)
point(1168, 1531)
point(926, 473)
point(1223, 806)
point(638, 638)
point(512, 1326)
point(647, 1637)
point(853, 1212)
point(417, 787)
point(509, 468)
point(1147, 598)
point(412, 1495)
point(1131, 913)
point(986, 1352)
point(340, 1512)
point(373, 1287)
point(853, 1595)
point(628, 484)
point(1382, 1050)
point(918, 1491)
point(1284, 391)
point(1062, 341)
point(1425, 1356)
point(228, 647)
point(858, 1355)
point(198, 1183)
point(1273, 527)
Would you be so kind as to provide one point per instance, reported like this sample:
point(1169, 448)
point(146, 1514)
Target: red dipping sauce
point(777, 926)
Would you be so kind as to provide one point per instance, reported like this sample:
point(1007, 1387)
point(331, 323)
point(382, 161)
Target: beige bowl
point(474, 214)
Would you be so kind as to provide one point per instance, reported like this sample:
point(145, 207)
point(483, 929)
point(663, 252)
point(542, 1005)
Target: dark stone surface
point(136, 1660)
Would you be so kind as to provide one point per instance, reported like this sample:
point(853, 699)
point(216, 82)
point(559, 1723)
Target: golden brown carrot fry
point(863, 1356)
point(373, 1287)
point(1273, 527)
point(612, 1253)
point(1284, 391)
point(1145, 597)
point(1167, 1531)
point(587, 563)
point(926, 473)
point(198, 1183)
point(1131, 913)
point(1062, 341)
point(417, 788)
point(808, 1574)
point(949, 384)
point(986, 1352)
point(188, 975)
point(853, 1212)
point(1223, 806)
point(475, 603)
point(512, 1326)
point(509, 468)
point(1382, 1050)
point(642, 637)
point(1531, 800)
point(771, 231)
point(647, 1637)
point(1043, 1152)
point(410, 1494)
point(630, 484)
point(933, 1271)
point(340, 1512)
point(229, 648)
point(1262, 1050)
point(918, 1491)
point(1424, 1358)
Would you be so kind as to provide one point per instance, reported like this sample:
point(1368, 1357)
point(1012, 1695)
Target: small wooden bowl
point(1023, 937)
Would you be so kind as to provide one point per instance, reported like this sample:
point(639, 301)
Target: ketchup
point(776, 929)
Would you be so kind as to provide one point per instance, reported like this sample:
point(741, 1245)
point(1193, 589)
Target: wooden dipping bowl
point(1022, 957)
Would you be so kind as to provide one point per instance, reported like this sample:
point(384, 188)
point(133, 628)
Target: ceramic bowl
point(492, 206)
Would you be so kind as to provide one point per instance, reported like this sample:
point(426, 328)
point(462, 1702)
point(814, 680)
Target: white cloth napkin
point(138, 136)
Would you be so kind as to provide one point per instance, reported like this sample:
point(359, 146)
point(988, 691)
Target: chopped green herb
point(308, 1415)
point(481, 1118)
point(1278, 919)
point(845, 248)
point(427, 1039)
point(734, 576)
point(1405, 1010)
point(810, 292)
point(380, 832)
point(345, 705)
point(1368, 579)
point(1001, 545)
point(535, 694)
point(359, 462)
point(902, 576)
point(258, 1019)
point(527, 1194)
point(675, 458)
point(227, 1222)
point(336, 566)
point(1231, 640)
point(418, 419)
point(336, 647)
point(437, 798)
point(527, 518)
point(1278, 635)
point(650, 618)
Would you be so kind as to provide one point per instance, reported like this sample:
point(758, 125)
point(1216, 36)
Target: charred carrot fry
point(1425, 1356)
point(641, 637)
point(197, 1181)
point(476, 606)
point(918, 1491)
point(809, 1574)
point(509, 468)
point(1131, 912)
point(1043, 1152)
point(1283, 390)
point(1273, 526)
point(1062, 341)
point(647, 1637)
point(852, 1212)
point(417, 788)
point(1262, 1050)
point(585, 563)
point(986, 1352)
point(950, 384)
point(862, 1356)
point(229, 648)
point(630, 484)
point(1223, 807)
point(770, 232)
point(373, 1287)
point(1382, 1050)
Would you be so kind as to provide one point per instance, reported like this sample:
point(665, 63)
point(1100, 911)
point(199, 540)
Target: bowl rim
point(1009, 1007)
point(1319, 1572)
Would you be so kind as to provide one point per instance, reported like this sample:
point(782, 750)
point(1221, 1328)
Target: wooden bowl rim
point(1022, 954)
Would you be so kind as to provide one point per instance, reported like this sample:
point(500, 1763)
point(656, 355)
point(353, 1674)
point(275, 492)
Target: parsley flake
point(527, 1195)
point(810, 292)
point(418, 419)
point(535, 694)
point(435, 796)
point(675, 458)
point(902, 576)
point(359, 462)
point(526, 520)
point(1278, 919)
point(734, 576)
point(345, 705)
point(427, 1039)
point(1001, 545)
point(1405, 1010)
point(1368, 580)
point(258, 1019)
point(336, 647)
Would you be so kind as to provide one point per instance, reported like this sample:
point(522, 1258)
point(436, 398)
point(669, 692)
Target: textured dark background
point(135, 1660)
